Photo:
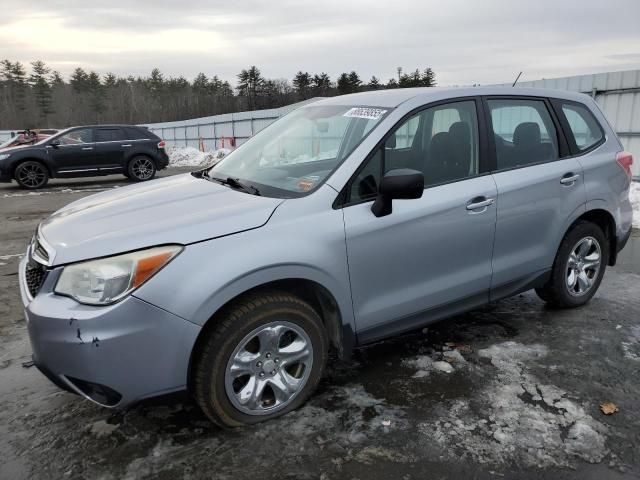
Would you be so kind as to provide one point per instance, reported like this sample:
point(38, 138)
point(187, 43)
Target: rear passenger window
point(109, 135)
point(584, 127)
point(524, 133)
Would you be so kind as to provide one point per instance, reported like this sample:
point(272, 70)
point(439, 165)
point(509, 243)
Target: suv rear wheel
point(141, 168)
point(31, 175)
point(578, 268)
point(262, 359)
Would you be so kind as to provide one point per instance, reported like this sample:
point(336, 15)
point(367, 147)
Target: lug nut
point(262, 374)
point(273, 372)
point(259, 364)
point(268, 355)
point(277, 360)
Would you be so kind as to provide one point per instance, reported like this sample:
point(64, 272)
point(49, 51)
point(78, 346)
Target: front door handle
point(127, 145)
point(569, 179)
point(480, 202)
point(87, 148)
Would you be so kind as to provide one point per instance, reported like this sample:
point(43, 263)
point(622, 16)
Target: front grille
point(34, 275)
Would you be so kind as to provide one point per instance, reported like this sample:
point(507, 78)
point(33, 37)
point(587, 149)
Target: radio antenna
point(517, 78)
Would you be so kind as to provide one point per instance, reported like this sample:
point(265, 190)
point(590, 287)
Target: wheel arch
point(321, 299)
point(605, 220)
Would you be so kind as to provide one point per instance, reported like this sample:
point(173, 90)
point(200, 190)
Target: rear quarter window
point(139, 134)
point(584, 129)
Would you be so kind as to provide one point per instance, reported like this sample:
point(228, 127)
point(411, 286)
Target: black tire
point(31, 175)
point(238, 320)
point(557, 292)
point(141, 168)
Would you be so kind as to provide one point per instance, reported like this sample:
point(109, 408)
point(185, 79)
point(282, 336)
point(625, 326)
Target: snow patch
point(192, 157)
point(523, 420)
point(631, 348)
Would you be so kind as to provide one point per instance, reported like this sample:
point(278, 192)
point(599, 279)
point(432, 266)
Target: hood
point(180, 209)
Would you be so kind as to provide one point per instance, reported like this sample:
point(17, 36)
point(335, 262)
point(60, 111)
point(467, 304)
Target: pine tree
point(321, 84)
point(19, 80)
point(97, 95)
point(80, 80)
point(41, 89)
point(354, 81)
point(250, 85)
point(429, 78)
point(374, 84)
point(302, 84)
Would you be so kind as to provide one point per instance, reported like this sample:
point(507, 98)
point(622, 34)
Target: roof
point(394, 97)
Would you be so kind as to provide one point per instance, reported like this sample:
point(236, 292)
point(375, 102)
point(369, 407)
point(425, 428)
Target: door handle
point(569, 179)
point(87, 148)
point(127, 145)
point(480, 202)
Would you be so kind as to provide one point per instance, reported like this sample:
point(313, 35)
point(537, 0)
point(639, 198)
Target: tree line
point(42, 97)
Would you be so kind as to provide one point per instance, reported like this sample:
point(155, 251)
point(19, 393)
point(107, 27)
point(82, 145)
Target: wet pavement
point(509, 390)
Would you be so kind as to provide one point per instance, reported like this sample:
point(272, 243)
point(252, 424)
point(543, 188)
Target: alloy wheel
point(583, 266)
point(32, 175)
point(143, 168)
point(268, 368)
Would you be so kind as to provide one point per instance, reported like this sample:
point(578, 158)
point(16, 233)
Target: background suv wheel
point(31, 175)
point(141, 168)
point(262, 358)
point(578, 268)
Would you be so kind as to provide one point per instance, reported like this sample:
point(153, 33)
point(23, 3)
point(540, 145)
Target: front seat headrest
point(460, 132)
point(527, 133)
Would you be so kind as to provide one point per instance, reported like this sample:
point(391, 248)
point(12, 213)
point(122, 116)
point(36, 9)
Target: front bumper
point(113, 355)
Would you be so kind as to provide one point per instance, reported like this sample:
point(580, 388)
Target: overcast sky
point(465, 42)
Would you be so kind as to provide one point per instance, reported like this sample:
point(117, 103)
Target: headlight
point(4, 156)
point(107, 280)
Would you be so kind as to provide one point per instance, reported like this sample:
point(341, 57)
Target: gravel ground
point(509, 390)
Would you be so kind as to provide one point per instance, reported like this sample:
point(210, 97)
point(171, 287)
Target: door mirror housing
point(55, 143)
point(399, 184)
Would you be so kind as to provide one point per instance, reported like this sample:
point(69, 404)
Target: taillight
point(161, 144)
point(625, 160)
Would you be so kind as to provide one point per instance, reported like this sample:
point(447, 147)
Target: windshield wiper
point(235, 183)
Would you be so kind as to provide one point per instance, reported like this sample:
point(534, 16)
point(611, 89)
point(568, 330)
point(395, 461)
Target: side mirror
point(55, 143)
point(399, 184)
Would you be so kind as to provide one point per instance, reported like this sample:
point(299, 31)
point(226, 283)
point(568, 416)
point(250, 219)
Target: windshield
point(294, 155)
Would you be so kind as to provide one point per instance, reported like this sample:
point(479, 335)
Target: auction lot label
point(364, 112)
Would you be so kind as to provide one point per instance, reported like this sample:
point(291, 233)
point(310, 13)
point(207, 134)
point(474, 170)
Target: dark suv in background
point(85, 152)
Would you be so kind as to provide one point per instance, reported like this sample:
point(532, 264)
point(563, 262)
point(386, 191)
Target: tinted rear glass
point(134, 133)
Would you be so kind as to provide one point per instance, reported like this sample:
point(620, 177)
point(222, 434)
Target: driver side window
point(77, 137)
point(441, 142)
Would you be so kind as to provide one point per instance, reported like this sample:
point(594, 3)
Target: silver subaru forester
point(348, 220)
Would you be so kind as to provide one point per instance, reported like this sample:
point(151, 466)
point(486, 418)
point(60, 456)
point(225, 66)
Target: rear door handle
point(87, 148)
point(480, 202)
point(127, 145)
point(569, 179)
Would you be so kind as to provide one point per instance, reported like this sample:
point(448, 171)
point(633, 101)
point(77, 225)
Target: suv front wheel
point(578, 268)
point(31, 175)
point(263, 358)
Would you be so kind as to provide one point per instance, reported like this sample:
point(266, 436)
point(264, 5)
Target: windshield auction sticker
point(363, 112)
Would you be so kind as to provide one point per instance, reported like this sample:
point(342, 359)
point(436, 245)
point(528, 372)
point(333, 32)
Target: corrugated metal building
point(617, 93)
